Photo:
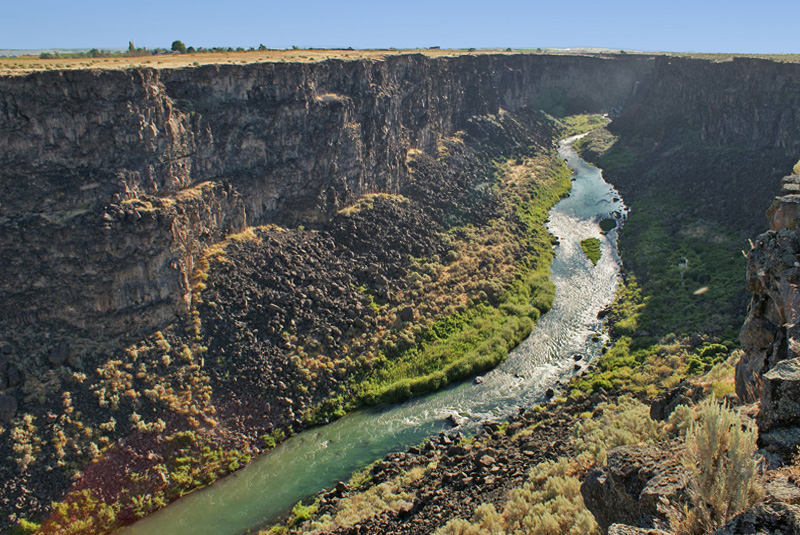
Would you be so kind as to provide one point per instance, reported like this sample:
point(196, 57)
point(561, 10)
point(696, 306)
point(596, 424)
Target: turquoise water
point(318, 458)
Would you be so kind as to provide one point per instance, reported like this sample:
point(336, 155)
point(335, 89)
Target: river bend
point(319, 457)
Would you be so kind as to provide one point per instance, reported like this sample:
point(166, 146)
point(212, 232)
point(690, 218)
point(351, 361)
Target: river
point(318, 458)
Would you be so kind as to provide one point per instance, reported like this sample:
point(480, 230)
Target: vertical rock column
point(769, 370)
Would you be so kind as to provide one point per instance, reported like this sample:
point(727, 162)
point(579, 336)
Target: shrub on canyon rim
point(720, 448)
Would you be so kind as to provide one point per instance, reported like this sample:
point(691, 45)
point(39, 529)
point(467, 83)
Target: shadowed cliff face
point(697, 153)
point(742, 103)
point(721, 132)
point(113, 182)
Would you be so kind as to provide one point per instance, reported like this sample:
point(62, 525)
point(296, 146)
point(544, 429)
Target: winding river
point(318, 458)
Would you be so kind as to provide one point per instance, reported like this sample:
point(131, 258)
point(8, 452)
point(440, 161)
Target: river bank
point(323, 456)
point(532, 469)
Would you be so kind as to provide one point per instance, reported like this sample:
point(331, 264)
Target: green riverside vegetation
point(479, 338)
point(689, 264)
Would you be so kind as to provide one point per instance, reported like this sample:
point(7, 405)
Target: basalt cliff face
point(721, 134)
point(113, 182)
point(768, 370)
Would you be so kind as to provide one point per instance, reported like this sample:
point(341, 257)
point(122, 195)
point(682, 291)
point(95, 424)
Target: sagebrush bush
point(626, 421)
point(719, 454)
point(387, 496)
point(549, 503)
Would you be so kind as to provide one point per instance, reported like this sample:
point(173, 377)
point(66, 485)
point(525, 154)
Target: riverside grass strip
point(480, 337)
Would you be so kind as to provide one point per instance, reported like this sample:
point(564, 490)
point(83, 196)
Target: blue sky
point(768, 26)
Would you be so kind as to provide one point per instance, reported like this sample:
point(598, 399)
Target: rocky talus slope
point(462, 474)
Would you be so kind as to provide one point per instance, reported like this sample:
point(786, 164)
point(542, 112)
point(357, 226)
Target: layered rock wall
point(112, 182)
point(743, 103)
point(769, 369)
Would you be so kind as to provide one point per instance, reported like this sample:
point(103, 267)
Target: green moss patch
point(591, 248)
point(607, 224)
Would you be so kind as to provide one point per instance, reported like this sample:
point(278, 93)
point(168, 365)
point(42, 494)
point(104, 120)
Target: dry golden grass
point(27, 64)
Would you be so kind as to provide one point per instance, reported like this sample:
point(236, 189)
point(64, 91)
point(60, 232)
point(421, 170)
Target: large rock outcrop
point(637, 487)
point(769, 370)
point(770, 336)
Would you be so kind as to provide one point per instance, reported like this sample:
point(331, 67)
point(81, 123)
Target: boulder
point(779, 512)
point(13, 376)
point(666, 402)
point(780, 396)
point(623, 529)
point(58, 355)
point(780, 489)
point(456, 419)
point(637, 487)
point(784, 211)
point(486, 461)
point(782, 441)
point(3, 369)
point(771, 332)
point(8, 407)
point(407, 314)
point(771, 517)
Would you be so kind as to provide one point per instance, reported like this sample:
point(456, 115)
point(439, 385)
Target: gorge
point(196, 257)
